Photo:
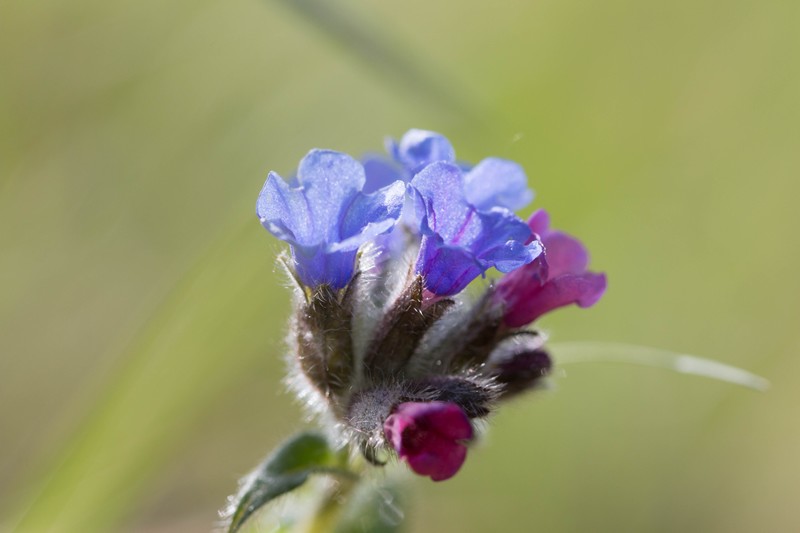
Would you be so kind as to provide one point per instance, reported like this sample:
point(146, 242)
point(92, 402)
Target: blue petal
point(315, 266)
point(460, 242)
point(511, 255)
point(380, 173)
point(419, 148)
point(495, 183)
point(330, 180)
point(447, 269)
point(285, 213)
point(370, 215)
point(501, 243)
point(440, 200)
point(325, 217)
point(309, 214)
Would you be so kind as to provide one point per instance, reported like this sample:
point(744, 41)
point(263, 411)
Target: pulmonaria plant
point(387, 344)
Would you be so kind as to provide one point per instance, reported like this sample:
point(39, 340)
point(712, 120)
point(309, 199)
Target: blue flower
point(325, 216)
point(460, 241)
point(492, 183)
point(416, 149)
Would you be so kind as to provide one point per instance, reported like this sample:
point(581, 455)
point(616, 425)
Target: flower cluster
point(385, 342)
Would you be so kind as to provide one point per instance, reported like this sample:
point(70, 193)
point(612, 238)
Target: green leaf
point(285, 470)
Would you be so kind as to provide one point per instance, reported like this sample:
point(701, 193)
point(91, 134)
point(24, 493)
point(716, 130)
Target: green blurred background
point(141, 316)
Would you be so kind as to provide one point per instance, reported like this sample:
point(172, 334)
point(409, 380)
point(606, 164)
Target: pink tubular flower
point(554, 279)
point(430, 436)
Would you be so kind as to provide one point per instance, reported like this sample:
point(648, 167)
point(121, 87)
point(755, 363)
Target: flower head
point(327, 216)
point(430, 436)
point(385, 344)
point(555, 279)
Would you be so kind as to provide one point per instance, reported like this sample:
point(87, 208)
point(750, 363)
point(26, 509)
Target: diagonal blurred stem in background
point(148, 405)
point(386, 57)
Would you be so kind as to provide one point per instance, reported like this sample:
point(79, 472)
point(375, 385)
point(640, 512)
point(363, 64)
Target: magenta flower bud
point(556, 278)
point(430, 436)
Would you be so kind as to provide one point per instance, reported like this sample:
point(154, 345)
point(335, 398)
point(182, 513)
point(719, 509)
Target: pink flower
point(430, 436)
point(556, 278)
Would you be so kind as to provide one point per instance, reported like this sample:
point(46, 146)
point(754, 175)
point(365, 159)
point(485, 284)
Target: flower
point(460, 242)
point(557, 278)
point(327, 216)
point(385, 345)
point(430, 437)
point(492, 183)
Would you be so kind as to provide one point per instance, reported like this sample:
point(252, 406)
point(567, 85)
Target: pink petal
point(441, 460)
point(565, 254)
point(539, 221)
point(522, 283)
point(582, 289)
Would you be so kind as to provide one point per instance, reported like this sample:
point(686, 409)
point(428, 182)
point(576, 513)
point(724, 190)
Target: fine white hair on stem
point(596, 352)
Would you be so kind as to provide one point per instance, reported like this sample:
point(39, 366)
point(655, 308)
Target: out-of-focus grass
point(141, 316)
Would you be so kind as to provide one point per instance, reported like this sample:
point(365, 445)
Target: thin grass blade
point(567, 353)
